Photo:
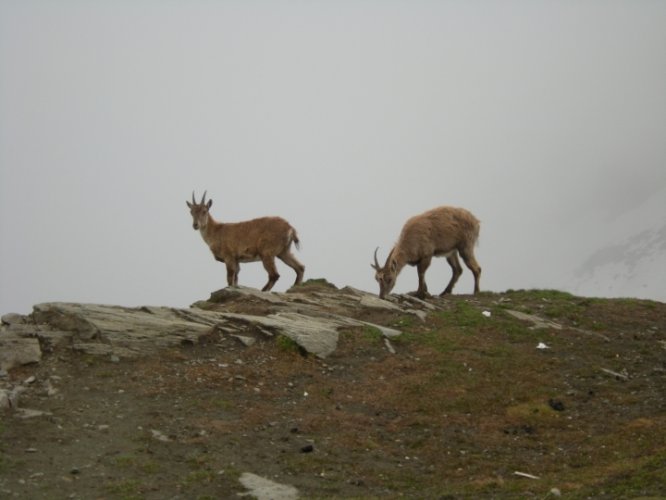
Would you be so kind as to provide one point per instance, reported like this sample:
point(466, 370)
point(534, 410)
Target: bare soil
point(467, 407)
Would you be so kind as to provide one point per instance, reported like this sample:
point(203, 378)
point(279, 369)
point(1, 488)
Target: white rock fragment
point(159, 436)
point(623, 376)
point(25, 413)
point(486, 314)
point(246, 341)
point(525, 474)
point(422, 315)
point(541, 345)
point(265, 489)
point(536, 321)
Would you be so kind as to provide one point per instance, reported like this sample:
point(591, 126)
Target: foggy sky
point(546, 119)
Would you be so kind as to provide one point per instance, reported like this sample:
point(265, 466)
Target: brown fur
point(440, 232)
point(254, 240)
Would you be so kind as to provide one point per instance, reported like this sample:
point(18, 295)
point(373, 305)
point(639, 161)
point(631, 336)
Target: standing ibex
point(443, 231)
point(250, 241)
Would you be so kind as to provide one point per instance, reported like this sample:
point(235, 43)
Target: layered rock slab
point(312, 316)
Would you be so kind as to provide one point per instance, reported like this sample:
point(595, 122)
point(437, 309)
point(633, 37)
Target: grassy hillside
point(474, 403)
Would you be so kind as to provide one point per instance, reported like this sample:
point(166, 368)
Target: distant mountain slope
point(630, 259)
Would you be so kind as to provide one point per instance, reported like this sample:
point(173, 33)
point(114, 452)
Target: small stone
point(74, 471)
point(308, 448)
point(25, 413)
point(50, 390)
point(556, 404)
point(5, 401)
point(159, 436)
point(246, 341)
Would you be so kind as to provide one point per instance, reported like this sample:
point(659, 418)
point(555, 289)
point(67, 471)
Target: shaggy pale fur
point(440, 232)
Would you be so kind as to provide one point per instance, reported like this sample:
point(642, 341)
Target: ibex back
point(255, 240)
point(440, 232)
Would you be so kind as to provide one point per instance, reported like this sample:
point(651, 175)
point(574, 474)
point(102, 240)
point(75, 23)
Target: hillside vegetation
point(520, 394)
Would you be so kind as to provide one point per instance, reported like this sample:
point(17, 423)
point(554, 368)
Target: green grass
point(405, 322)
point(222, 404)
point(463, 316)
point(124, 461)
point(198, 477)
point(287, 344)
point(372, 333)
point(538, 294)
point(129, 462)
point(128, 489)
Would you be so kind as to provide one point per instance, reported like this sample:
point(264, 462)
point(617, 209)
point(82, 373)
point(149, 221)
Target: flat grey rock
point(311, 315)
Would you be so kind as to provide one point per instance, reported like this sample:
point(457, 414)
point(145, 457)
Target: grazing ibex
point(442, 231)
point(254, 240)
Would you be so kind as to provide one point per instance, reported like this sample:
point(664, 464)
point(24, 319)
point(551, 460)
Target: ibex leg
point(470, 261)
point(421, 269)
point(232, 273)
point(289, 259)
point(456, 269)
point(273, 276)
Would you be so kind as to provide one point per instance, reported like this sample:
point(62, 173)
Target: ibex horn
point(376, 266)
point(194, 202)
point(203, 198)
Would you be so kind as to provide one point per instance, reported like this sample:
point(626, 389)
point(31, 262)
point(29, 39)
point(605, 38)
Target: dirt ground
point(474, 403)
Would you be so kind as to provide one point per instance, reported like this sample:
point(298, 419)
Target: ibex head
point(199, 211)
point(386, 276)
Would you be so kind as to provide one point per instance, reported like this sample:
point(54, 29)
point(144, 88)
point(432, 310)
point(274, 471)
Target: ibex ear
point(210, 202)
point(189, 204)
point(394, 266)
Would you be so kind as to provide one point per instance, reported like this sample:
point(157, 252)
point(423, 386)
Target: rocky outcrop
point(311, 315)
